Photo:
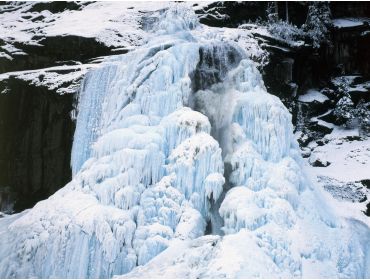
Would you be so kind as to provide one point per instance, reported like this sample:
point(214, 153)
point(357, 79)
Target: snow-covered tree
point(317, 23)
point(287, 32)
point(272, 12)
point(363, 114)
point(344, 111)
point(282, 29)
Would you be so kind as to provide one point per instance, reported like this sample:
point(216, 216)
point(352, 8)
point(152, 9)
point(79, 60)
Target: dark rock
point(367, 212)
point(320, 163)
point(366, 183)
point(322, 142)
point(6, 200)
point(319, 130)
point(349, 9)
point(304, 140)
point(350, 49)
point(63, 71)
point(58, 6)
point(351, 138)
point(330, 118)
point(305, 152)
point(363, 199)
point(357, 96)
point(35, 144)
point(38, 18)
point(52, 50)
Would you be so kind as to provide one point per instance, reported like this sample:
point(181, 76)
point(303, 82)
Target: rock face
point(51, 51)
point(350, 49)
point(35, 144)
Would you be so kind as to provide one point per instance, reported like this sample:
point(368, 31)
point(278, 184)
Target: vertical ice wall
point(149, 169)
point(95, 85)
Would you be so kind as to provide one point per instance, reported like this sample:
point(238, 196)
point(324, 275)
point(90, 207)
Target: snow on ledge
point(348, 22)
point(313, 95)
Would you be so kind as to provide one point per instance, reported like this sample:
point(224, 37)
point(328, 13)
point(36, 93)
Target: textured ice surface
point(141, 161)
point(150, 173)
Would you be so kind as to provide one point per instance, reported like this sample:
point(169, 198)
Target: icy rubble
point(149, 170)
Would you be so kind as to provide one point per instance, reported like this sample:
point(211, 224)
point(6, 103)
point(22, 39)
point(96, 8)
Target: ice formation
point(174, 135)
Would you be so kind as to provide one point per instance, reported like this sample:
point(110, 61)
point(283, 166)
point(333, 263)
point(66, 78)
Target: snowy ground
point(339, 162)
point(349, 159)
point(346, 176)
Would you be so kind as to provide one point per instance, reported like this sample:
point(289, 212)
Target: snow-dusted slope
point(113, 23)
point(163, 133)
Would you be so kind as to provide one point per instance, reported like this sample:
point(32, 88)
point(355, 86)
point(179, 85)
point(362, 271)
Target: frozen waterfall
point(170, 137)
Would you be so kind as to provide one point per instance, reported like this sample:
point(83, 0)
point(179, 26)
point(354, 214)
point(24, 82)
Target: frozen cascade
point(145, 167)
point(95, 84)
point(149, 173)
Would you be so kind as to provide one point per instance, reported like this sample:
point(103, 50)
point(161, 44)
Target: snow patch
point(313, 95)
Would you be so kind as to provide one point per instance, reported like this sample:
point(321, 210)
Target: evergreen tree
point(272, 12)
point(317, 23)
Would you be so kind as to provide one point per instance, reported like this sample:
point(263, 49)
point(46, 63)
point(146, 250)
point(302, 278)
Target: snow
point(149, 173)
point(209, 257)
point(112, 23)
point(53, 78)
point(348, 155)
point(347, 22)
point(362, 87)
point(349, 159)
point(350, 84)
point(313, 95)
point(235, 256)
point(349, 79)
point(352, 191)
point(8, 57)
point(12, 50)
